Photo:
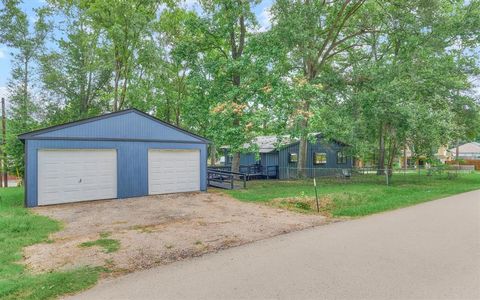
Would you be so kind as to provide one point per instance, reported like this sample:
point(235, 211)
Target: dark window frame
point(291, 155)
point(319, 162)
point(341, 158)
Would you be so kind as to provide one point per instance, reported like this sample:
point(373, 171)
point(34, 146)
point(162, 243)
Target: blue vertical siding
point(122, 126)
point(288, 170)
point(131, 133)
point(330, 148)
point(284, 166)
point(132, 163)
point(269, 159)
point(246, 159)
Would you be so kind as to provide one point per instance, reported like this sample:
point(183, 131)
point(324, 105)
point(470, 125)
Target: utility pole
point(4, 140)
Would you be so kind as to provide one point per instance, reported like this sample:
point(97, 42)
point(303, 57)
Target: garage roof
point(130, 124)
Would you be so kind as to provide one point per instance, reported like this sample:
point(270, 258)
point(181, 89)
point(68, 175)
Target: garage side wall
point(132, 163)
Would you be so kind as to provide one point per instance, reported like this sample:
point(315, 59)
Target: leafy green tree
point(124, 25)
point(77, 73)
point(28, 43)
point(407, 91)
point(223, 65)
point(314, 34)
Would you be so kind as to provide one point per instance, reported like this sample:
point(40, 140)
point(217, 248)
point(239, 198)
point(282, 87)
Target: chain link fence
point(374, 175)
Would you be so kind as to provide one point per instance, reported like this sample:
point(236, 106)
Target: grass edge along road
point(353, 198)
point(20, 228)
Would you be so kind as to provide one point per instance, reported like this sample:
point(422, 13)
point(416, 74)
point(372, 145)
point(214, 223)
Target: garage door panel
point(76, 175)
point(171, 171)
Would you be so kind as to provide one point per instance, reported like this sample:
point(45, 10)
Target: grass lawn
point(108, 245)
point(367, 195)
point(19, 228)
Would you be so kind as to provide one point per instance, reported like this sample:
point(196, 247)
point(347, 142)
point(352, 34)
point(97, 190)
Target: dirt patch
point(307, 205)
point(156, 230)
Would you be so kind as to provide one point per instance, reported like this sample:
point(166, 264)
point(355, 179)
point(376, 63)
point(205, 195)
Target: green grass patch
point(360, 196)
point(20, 228)
point(109, 245)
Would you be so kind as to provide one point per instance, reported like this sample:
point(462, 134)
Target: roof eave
point(34, 133)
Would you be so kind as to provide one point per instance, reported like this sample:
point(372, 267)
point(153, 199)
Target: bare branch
point(332, 28)
point(342, 50)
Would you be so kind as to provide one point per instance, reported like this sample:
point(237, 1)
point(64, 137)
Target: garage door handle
point(80, 180)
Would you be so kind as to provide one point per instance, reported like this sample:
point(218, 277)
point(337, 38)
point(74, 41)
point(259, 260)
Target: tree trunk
point(177, 115)
point(391, 157)
point(167, 110)
point(86, 101)
point(457, 151)
point(123, 95)
point(302, 157)
point(116, 81)
point(115, 92)
point(303, 145)
point(213, 154)
point(25, 90)
point(381, 151)
point(236, 53)
point(236, 162)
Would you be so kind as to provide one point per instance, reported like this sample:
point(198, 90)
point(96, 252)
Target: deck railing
point(225, 179)
point(252, 171)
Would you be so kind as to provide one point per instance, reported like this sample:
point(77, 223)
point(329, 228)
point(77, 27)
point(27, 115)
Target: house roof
point(270, 143)
point(472, 147)
point(34, 134)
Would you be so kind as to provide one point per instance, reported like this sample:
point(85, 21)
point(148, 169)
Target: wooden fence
point(470, 162)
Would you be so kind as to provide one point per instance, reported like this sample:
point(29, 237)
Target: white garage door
point(171, 171)
point(76, 175)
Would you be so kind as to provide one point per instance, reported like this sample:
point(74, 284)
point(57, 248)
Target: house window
point(319, 158)
point(341, 157)
point(292, 157)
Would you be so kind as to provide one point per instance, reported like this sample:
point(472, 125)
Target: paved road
point(431, 250)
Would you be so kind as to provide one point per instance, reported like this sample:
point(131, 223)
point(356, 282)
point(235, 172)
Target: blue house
point(118, 155)
point(278, 156)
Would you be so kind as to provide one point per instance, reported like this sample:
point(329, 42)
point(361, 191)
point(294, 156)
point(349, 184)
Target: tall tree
point(125, 24)
point(313, 34)
point(223, 33)
point(406, 91)
point(82, 58)
point(28, 44)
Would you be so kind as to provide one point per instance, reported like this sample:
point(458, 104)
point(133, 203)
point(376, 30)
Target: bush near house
point(20, 228)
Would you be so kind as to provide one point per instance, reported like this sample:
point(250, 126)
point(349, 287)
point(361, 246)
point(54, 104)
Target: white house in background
point(442, 154)
point(467, 151)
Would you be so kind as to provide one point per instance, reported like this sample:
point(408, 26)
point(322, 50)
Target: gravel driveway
point(156, 230)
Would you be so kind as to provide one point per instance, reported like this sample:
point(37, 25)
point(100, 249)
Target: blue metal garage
point(118, 155)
